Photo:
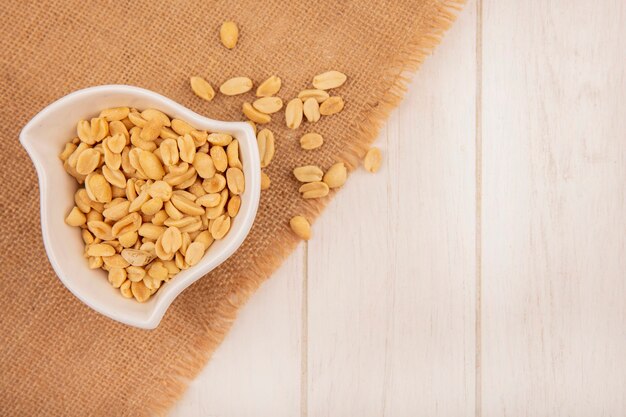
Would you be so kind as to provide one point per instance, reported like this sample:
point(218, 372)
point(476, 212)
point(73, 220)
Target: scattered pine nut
point(293, 113)
point(311, 110)
point(268, 105)
point(301, 227)
point(311, 141)
point(336, 175)
point(319, 95)
point(316, 189)
point(235, 86)
point(329, 80)
point(229, 34)
point(269, 87)
point(308, 173)
point(202, 88)
point(331, 106)
point(255, 115)
point(373, 159)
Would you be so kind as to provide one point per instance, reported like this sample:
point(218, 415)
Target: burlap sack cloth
point(58, 357)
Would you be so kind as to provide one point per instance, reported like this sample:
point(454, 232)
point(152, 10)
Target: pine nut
point(331, 106)
point(202, 88)
point(293, 113)
point(300, 227)
point(269, 87)
point(328, 80)
point(229, 34)
point(235, 86)
point(336, 175)
point(373, 159)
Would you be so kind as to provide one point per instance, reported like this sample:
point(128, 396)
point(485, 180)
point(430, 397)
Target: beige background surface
point(58, 357)
point(482, 271)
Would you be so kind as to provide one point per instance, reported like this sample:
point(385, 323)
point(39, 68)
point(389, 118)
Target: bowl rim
point(175, 287)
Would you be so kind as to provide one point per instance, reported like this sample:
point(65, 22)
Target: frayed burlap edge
point(366, 127)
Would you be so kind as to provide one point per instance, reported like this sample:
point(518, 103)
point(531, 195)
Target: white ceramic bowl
point(44, 137)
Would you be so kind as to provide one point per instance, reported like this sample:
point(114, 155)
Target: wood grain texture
point(391, 265)
point(554, 206)
point(256, 370)
point(482, 271)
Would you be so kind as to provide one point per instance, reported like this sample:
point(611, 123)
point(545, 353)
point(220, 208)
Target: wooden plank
point(256, 370)
point(554, 224)
point(391, 265)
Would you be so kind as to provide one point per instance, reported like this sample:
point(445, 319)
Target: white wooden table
point(482, 271)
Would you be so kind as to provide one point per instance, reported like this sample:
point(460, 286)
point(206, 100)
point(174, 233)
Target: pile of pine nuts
point(155, 193)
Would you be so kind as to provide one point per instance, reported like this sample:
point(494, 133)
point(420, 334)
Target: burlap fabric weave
point(58, 357)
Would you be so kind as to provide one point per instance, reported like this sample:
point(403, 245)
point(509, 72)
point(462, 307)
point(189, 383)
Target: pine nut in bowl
point(161, 189)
